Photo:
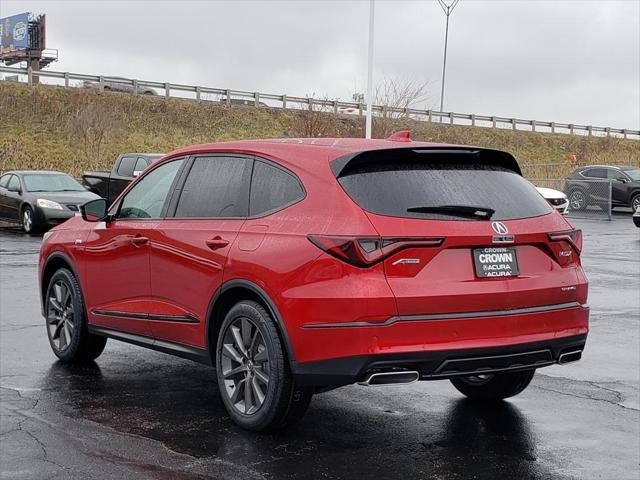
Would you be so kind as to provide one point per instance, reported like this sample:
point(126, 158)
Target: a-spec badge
point(407, 261)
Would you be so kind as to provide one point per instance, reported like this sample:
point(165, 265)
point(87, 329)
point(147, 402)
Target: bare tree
point(397, 96)
point(93, 127)
point(319, 119)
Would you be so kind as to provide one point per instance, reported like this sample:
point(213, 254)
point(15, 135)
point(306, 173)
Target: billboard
point(14, 34)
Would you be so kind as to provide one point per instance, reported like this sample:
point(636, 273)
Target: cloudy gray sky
point(567, 61)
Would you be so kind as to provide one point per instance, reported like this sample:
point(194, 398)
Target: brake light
point(566, 246)
point(364, 252)
point(572, 237)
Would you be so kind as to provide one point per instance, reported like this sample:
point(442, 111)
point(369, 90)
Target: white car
point(556, 199)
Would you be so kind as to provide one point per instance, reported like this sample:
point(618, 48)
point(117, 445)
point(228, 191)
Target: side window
point(613, 174)
point(596, 173)
point(272, 188)
point(14, 182)
point(125, 169)
point(4, 180)
point(147, 197)
point(216, 187)
point(141, 164)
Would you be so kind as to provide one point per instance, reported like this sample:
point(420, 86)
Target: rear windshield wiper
point(456, 210)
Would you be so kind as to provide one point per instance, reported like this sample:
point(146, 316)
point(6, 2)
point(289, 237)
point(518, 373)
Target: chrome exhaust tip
point(568, 357)
point(403, 377)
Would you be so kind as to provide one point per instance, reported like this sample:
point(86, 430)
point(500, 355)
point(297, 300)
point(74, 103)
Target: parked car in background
point(590, 186)
point(297, 266)
point(636, 217)
point(556, 199)
point(242, 102)
point(40, 199)
point(126, 167)
point(118, 87)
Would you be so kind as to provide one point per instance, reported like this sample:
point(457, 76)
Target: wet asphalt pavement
point(135, 413)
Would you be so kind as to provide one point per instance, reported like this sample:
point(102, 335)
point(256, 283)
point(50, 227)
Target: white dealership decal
point(496, 262)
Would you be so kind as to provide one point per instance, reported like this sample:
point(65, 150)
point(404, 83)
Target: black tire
point(493, 387)
point(264, 356)
point(578, 200)
point(66, 317)
point(635, 202)
point(29, 220)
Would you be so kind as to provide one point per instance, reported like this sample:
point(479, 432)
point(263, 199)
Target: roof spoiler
point(340, 166)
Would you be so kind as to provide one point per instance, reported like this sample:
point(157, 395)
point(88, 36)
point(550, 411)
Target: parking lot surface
point(135, 413)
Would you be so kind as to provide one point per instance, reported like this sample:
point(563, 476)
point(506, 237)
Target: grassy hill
point(74, 130)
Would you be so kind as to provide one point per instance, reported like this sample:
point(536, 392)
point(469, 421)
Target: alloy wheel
point(245, 365)
point(577, 200)
point(60, 315)
point(635, 203)
point(27, 220)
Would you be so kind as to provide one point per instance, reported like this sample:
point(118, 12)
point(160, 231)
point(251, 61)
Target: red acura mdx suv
point(300, 265)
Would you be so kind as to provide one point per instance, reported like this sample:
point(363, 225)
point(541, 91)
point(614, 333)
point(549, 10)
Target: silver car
point(111, 86)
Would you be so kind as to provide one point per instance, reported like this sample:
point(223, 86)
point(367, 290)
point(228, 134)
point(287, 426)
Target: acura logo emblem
point(499, 227)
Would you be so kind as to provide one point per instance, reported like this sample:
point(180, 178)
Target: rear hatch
point(462, 232)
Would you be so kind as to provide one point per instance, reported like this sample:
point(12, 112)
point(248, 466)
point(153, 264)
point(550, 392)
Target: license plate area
point(495, 262)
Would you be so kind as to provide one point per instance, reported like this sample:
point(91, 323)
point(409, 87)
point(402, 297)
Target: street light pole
point(447, 9)
point(370, 71)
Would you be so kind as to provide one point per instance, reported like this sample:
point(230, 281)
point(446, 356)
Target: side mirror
point(621, 179)
point(137, 173)
point(14, 189)
point(94, 211)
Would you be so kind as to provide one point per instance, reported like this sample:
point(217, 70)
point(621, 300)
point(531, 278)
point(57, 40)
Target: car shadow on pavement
point(179, 405)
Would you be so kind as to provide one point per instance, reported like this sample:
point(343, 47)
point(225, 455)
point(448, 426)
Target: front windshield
point(51, 182)
point(634, 173)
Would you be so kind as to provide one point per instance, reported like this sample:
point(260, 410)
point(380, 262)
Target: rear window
point(392, 187)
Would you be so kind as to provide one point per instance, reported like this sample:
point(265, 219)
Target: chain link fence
point(587, 198)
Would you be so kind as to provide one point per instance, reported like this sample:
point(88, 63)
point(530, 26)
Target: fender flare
point(69, 261)
point(273, 310)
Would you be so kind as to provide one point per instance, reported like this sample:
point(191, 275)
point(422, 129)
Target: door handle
point(216, 242)
point(139, 241)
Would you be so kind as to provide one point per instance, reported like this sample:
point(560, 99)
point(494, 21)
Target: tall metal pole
point(447, 9)
point(370, 71)
point(444, 64)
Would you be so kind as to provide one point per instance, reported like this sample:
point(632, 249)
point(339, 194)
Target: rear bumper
point(344, 354)
point(439, 364)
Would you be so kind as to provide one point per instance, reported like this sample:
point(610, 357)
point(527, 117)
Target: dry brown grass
point(73, 130)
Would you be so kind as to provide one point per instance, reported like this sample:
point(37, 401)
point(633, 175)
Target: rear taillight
point(566, 246)
point(572, 237)
point(366, 251)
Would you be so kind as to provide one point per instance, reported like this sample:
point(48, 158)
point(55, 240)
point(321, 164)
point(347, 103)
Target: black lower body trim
point(440, 364)
point(199, 355)
point(146, 316)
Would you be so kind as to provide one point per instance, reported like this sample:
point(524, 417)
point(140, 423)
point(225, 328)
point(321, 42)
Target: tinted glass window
point(4, 181)
point(614, 174)
point(596, 173)
point(392, 187)
point(272, 188)
point(14, 183)
point(127, 164)
point(147, 197)
point(141, 164)
point(216, 187)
